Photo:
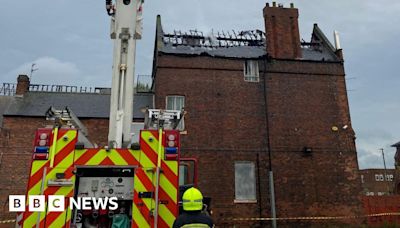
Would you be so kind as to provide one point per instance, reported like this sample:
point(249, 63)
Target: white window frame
point(174, 106)
point(251, 178)
point(251, 71)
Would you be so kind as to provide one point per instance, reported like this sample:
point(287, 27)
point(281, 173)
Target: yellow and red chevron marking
point(103, 157)
point(66, 159)
point(142, 207)
point(41, 173)
point(145, 181)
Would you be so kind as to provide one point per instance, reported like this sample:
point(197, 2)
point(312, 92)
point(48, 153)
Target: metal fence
point(143, 85)
point(9, 89)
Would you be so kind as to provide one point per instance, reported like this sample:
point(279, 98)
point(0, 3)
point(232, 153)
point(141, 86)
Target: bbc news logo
point(56, 203)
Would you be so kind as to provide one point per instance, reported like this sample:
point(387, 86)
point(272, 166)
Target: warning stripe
point(162, 194)
point(143, 183)
point(49, 190)
point(65, 191)
point(152, 155)
point(128, 157)
point(139, 220)
point(171, 205)
point(63, 160)
point(143, 209)
point(85, 156)
point(154, 133)
point(96, 156)
point(154, 146)
point(37, 165)
point(166, 215)
point(52, 190)
point(146, 206)
point(145, 180)
point(116, 158)
point(63, 152)
point(61, 155)
point(151, 151)
point(51, 217)
point(148, 151)
point(168, 191)
point(61, 134)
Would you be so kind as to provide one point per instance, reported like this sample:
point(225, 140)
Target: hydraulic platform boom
point(125, 29)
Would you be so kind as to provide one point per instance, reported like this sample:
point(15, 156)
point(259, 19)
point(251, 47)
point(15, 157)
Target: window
point(175, 102)
point(251, 71)
point(245, 182)
point(186, 173)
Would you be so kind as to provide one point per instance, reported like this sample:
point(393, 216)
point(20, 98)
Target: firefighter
point(193, 215)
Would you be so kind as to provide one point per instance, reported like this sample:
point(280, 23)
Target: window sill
point(245, 201)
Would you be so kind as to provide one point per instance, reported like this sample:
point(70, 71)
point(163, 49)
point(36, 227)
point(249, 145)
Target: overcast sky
point(69, 42)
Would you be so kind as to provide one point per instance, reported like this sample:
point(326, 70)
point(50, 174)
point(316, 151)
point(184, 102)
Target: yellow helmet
point(192, 200)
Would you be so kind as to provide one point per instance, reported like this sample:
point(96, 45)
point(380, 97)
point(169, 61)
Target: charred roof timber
point(279, 5)
point(215, 40)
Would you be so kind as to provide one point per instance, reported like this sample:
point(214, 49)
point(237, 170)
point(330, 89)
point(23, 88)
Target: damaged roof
point(84, 105)
point(396, 145)
point(246, 52)
point(243, 45)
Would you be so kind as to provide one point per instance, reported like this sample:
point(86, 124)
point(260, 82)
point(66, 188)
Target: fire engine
point(147, 177)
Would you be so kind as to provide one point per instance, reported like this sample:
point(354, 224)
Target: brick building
point(24, 112)
point(397, 155)
point(378, 182)
point(257, 99)
point(397, 167)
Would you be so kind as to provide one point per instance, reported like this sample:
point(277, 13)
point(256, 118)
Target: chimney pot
point(274, 4)
point(292, 5)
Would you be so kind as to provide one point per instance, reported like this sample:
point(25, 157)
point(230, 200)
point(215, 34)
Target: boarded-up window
point(245, 182)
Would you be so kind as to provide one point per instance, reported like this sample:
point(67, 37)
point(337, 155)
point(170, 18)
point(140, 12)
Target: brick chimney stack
point(22, 84)
point(282, 31)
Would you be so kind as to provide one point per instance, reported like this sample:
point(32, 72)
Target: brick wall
point(16, 138)
point(226, 122)
point(282, 32)
point(377, 182)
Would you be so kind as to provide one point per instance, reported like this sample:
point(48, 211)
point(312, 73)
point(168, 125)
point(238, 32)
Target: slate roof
point(84, 105)
point(247, 52)
point(320, 50)
point(316, 55)
point(243, 52)
point(4, 103)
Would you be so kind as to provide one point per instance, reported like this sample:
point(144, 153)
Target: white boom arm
point(125, 29)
